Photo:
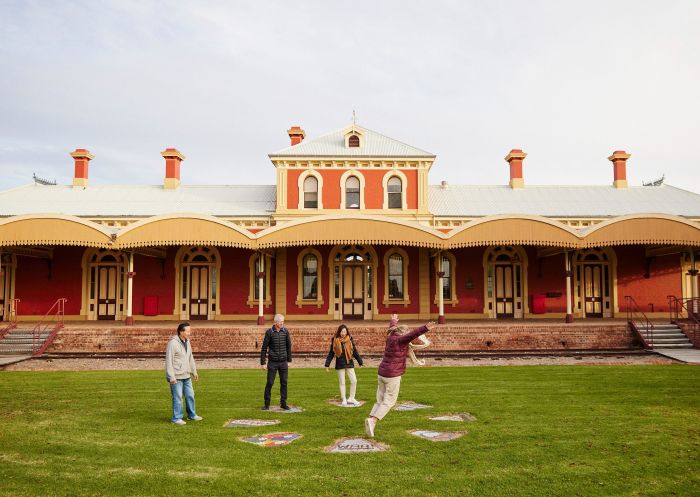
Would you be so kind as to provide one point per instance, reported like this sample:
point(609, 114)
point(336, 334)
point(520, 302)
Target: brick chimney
point(619, 160)
point(82, 157)
point(173, 157)
point(296, 135)
point(515, 159)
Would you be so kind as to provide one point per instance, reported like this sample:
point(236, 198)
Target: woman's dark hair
point(340, 328)
point(181, 327)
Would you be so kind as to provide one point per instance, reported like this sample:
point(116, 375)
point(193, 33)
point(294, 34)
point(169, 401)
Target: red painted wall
point(468, 268)
point(235, 282)
point(547, 274)
point(331, 190)
point(154, 278)
point(38, 292)
point(293, 289)
point(664, 278)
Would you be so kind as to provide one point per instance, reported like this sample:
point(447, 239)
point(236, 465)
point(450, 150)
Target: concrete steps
point(20, 342)
point(666, 336)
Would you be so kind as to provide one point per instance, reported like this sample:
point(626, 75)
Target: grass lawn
point(540, 431)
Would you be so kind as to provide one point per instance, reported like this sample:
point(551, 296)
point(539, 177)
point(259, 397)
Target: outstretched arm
point(413, 334)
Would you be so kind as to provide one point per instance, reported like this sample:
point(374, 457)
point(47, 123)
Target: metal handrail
point(691, 306)
point(54, 317)
point(633, 313)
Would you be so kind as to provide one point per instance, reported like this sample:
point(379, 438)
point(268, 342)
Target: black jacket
point(341, 362)
point(279, 344)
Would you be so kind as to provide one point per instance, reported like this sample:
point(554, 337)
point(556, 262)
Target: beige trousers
point(387, 393)
point(341, 382)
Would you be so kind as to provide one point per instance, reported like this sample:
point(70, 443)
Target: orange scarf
point(339, 350)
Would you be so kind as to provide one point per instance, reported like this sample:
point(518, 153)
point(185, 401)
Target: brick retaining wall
point(369, 339)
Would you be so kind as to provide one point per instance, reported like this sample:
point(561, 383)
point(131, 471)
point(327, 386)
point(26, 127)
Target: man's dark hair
point(181, 327)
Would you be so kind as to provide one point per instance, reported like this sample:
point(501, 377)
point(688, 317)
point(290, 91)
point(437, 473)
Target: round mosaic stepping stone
point(338, 403)
point(411, 406)
point(354, 445)
point(242, 423)
point(272, 439)
point(461, 417)
point(292, 409)
point(437, 436)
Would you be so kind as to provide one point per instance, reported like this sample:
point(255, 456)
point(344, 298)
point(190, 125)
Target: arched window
point(396, 277)
point(310, 193)
point(394, 192)
point(310, 277)
point(352, 193)
point(354, 141)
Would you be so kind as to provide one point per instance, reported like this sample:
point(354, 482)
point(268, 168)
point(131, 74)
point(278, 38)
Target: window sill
point(301, 302)
point(452, 302)
point(405, 302)
point(254, 303)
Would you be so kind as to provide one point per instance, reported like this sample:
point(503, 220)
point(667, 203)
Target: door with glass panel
point(199, 292)
point(593, 290)
point(353, 292)
point(107, 282)
point(504, 286)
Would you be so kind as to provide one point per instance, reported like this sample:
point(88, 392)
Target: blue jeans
point(176, 390)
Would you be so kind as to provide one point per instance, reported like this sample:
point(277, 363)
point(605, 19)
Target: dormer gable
point(354, 136)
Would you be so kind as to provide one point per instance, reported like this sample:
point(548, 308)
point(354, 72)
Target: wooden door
point(353, 292)
point(107, 292)
point(505, 302)
point(593, 290)
point(199, 292)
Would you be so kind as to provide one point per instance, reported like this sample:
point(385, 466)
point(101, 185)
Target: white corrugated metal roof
point(138, 200)
point(561, 201)
point(373, 144)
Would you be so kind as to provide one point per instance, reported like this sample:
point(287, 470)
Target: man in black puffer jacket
point(279, 344)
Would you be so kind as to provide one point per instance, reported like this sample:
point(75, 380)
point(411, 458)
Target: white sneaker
point(354, 402)
point(344, 403)
point(369, 426)
point(179, 422)
point(196, 418)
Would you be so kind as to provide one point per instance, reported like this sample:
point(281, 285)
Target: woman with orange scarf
point(344, 350)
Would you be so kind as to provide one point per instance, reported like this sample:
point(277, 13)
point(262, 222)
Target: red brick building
point(351, 229)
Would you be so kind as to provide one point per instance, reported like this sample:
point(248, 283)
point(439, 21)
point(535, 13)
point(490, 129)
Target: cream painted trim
point(579, 309)
point(53, 229)
point(180, 229)
point(253, 281)
point(453, 300)
point(343, 179)
point(524, 300)
point(179, 265)
point(300, 300)
point(385, 190)
point(406, 296)
point(8, 272)
point(86, 266)
point(300, 184)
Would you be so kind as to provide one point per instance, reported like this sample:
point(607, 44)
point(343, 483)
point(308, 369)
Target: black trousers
point(272, 368)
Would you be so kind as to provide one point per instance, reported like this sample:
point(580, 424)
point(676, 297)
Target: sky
point(568, 82)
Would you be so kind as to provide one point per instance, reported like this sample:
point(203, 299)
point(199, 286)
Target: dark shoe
point(285, 407)
point(266, 408)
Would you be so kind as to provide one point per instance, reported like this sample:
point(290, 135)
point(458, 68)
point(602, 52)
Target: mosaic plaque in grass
point(291, 410)
point(337, 402)
point(272, 439)
point(461, 417)
point(354, 445)
point(437, 436)
point(411, 406)
point(242, 423)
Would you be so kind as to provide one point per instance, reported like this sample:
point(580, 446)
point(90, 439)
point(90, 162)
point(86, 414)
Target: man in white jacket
point(179, 367)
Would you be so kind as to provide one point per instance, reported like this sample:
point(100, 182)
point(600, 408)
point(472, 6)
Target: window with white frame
point(394, 187)
point(310, 193)
point(352, 193)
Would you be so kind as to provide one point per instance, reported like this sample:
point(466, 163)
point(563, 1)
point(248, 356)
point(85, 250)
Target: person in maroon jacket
point(391, 369)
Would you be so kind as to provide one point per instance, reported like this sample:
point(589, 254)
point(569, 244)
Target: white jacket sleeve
point(193, 366)
point(169, 367)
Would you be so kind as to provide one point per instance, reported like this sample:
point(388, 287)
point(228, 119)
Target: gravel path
point(88, 364)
